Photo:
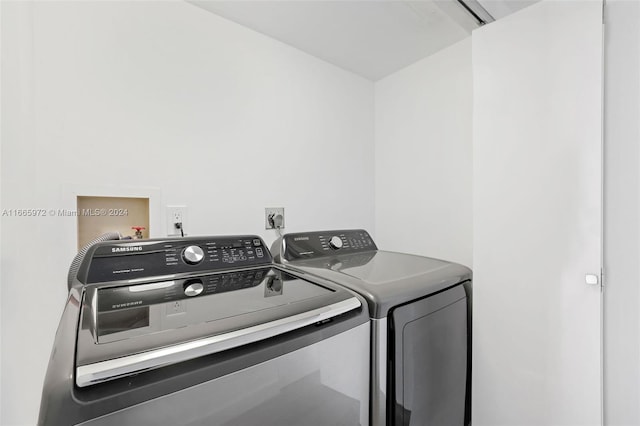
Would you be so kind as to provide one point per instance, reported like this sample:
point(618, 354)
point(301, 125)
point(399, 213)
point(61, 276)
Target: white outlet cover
point(173, 215)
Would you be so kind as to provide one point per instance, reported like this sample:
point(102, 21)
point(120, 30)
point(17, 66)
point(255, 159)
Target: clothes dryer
point(420, 322)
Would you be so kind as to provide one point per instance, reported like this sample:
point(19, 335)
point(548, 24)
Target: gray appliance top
point(351, 258)
point(146, 304)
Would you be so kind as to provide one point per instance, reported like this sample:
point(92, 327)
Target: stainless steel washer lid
point(386, 279)
point(147, 304)
point(129, 329)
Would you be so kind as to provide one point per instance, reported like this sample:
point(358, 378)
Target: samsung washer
point(420, 322)
point(205, 331)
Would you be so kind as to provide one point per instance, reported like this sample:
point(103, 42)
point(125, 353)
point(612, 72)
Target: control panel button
point(193, 288)
point(335, 243)
point(193, 255)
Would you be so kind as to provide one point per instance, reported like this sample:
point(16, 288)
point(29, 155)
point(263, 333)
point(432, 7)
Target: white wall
point(622, 213)
point(423, 159)
point(163, 95)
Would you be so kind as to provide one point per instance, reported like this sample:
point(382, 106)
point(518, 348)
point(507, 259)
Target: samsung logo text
point(125, 249)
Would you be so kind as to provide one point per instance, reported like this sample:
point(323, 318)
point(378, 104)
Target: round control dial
point(335, 243)
point(193, 255)
point(193, 288)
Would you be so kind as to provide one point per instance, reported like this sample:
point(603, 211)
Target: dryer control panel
point(140, 259)
point(310, 245)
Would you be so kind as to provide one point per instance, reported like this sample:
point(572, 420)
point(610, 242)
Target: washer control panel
point(141, 259)
point(309, 245)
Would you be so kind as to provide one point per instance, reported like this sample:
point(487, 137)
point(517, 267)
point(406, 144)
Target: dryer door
point(428, 371)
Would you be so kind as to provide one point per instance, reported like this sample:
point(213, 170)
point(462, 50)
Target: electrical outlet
point(176, 214)
point(271, 215)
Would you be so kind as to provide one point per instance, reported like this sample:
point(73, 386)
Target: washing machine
point(420, 322)
point(205, 331)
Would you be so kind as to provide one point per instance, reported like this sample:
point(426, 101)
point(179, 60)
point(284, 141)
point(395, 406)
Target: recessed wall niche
point(99, 215)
